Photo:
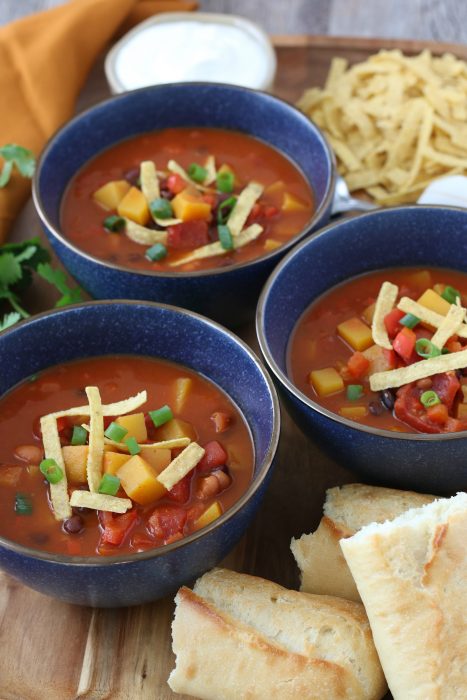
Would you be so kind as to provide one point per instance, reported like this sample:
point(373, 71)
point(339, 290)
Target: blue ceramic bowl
point(404, 236)
point(141, 328)
point(228, 294)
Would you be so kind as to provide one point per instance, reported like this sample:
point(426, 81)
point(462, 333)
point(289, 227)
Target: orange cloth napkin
point(44, 62)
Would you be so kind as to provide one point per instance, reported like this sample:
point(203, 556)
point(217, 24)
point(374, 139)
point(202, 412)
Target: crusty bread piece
point(412, 576)
point(239, 637)
point(346, 509)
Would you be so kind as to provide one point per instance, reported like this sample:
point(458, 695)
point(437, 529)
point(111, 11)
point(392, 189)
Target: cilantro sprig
point(18, 263)
point(19, 157)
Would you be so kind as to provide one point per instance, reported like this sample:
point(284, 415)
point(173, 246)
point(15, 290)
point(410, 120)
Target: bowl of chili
point(356, 327)
point(137, 442)
point(186, 194)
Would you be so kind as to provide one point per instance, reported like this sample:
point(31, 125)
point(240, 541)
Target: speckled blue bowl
point(228, 294)
point(403, 236)
point(142, 328)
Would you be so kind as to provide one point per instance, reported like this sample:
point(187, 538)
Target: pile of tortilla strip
point(445, 327)
point(395, 122)
point(95, 411)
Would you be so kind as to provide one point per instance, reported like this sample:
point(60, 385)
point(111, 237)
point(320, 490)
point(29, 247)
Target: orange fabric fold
point(44, 61)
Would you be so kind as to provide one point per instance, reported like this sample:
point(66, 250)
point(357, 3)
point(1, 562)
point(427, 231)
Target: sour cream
point(179, 47)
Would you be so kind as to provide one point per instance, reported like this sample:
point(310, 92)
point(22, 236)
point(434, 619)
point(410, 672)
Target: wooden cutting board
point(55, 651)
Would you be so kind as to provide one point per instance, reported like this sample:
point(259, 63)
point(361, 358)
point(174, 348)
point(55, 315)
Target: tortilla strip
point(449, 326)
point(145, 236)
point(149, 181)
point(100, 501)
point(176, 168)
point(162, 445)
point(96, 439)
point(387, 297)
point(53, 450)
point(119, 408)
point(210, 166)
point(409, 306)
point(419, 370)
point(243, 206)
point(212, 249)
point(181, 465)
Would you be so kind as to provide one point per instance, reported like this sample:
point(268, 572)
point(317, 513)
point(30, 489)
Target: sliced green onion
point(450, 294)
point(132, 444)
point(429, 398)
point(426, 349)
point(223, 215)
point(115, 432)
point(23, 504)
point(197, 172)
point(114, 223)
point(409, 321)
point(156, 252)
point(109, 484)
point(225, 237)
point(161, 208)
point(161, 415)
point(52, 472)
point(225, 181)
point(354, 392)
point(445, 351)
point(80, 435)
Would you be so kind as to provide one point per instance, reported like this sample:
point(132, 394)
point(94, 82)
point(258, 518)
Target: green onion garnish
point(109, 484)
point(225, 237)
point(156, 252)
point(161, 415)
point(79, 436)
point(429, 398)
point(161, 208)
point(132, 444)
point(23, 504)
point(225, 181)
point(445, 351)
point(354, 392)
point(114, 223)
point(52, 472)
point(450, 294)
point(426, 349)
point(223, 215)
point(115, 432)
point(197, 172)
point(409, 321)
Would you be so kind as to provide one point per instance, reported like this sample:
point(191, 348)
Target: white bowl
point(178, 47)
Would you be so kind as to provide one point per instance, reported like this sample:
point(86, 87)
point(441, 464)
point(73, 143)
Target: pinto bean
point(29, 453)
point(213, 484)
point(221, 421)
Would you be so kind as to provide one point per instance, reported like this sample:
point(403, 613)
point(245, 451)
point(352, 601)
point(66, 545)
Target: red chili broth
point(118, 378)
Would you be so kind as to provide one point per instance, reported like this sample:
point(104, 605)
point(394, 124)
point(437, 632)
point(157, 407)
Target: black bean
point(73, 525)
point(166, 193)
point(132, 175)
point(387, 399)
point(375, 408)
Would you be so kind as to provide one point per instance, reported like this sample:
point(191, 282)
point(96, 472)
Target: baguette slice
point(347, 509)
point(412, 577)
point(239, 637)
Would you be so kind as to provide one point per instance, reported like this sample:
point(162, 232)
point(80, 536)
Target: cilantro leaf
point(31, 260)
point(9, 320)
point(22, 158)
point(70, 295)
point(10, 270)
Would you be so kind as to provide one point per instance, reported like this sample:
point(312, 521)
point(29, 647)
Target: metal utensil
point(343, 201)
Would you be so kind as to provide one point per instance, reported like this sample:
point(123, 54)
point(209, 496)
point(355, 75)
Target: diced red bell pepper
point(175, 183)
point(358, 365)
point(215, 456)
point(180, 493)
point(270, 211)
point(391, 321)
point(438, 414)
point(209, 199)
point(188, 234)
point(166, 521)
point(404, 344)
point(116, 527)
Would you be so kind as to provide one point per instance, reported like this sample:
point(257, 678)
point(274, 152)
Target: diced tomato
point(215, 456)
point(221, 421)
point(453, 345)
point(166, 521)
point(446, 386)
point(269, 212)
point(438, 414)
point(256, 213)
point(209, 199)
point(62, 423)
point(180, 493)
point(141, 542)
point(404, 344)
point(188, 234)
point(409, 409)
point(116, 527)
point(391, 321)
point(358, 365)
point(175, 183)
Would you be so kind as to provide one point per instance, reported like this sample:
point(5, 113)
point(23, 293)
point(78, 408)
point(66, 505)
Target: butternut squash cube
point(158, 458)
point(326, 381)
point(353, 412)
point(368, 313)
point(176, 428)
point(421, 279)
point(189, 207)
point(210, 514)
point(182, 388)
point(434, 302)
point(139, 481)
point(111, 194)
point(136, 426)
point(134, 206)
point(356, 333)
point(275, 188)
point(271, 244)
point(292, 203)
point(113, 461)
point(462, 410)
point(75, 458)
